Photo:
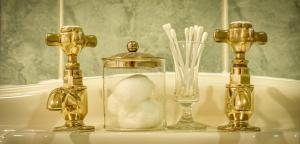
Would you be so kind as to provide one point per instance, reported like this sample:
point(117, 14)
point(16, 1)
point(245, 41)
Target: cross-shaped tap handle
point(71, 39)
point(240, 36)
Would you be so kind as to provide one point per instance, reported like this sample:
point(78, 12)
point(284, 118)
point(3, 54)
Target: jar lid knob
point(132, 46)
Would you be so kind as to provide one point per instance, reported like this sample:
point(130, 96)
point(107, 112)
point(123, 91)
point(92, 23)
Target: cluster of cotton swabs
point(194, 44)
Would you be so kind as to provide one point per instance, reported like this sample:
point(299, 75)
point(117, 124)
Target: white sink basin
point(25, 119)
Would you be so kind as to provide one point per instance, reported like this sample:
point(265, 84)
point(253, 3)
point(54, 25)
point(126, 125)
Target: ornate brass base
point(80, 128)
point(238, 126)
point(75, 126)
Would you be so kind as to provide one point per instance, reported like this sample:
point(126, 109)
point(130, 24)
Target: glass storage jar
point(133, 91)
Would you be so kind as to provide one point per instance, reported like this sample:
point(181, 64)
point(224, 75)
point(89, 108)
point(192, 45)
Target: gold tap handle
point(90, 41)
point(260, 37)
point(52, 39)
point(221, 35)
point(71, 39)
point(240, 36)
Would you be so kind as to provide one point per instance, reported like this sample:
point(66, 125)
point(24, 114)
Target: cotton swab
point(167, 29)
point(197, 46)
point(204, 37)
point(186, 34)
point(200, 33)
point(188, 48)
point(173, 35)
point(195, 33)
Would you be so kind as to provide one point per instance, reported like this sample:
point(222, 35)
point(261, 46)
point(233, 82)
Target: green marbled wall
point(25, 59)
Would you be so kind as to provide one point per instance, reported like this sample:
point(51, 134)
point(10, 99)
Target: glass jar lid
point(132, 58)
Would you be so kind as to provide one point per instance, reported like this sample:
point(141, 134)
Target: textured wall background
point(25, 59)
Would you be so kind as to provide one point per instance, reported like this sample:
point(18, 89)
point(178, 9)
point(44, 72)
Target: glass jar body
point(134, 98)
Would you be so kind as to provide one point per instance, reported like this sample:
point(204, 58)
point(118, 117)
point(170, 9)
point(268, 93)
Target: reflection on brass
point(133, 59)
point(71, 98)
point(239, 92)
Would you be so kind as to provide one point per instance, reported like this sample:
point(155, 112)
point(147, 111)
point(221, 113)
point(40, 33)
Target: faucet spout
point(57, 98)
point(54, 102)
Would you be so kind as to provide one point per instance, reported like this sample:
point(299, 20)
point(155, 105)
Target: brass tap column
point(71, 98)
point(239, 92)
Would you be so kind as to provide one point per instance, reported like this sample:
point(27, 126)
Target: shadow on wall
point(290, 105)
point(287, 103)
point(209, 110)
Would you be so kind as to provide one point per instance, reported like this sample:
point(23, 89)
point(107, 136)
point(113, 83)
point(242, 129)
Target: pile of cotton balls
point(132, 104)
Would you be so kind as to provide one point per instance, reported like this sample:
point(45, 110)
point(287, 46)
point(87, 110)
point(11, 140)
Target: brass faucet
point(239, 95)
point(71, 98)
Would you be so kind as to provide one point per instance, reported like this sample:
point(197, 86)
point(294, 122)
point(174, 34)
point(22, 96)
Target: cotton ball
point(113, 105)
point(146, 115)
point(133, 90)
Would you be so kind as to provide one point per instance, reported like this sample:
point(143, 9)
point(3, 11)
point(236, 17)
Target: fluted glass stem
point(187, 116)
